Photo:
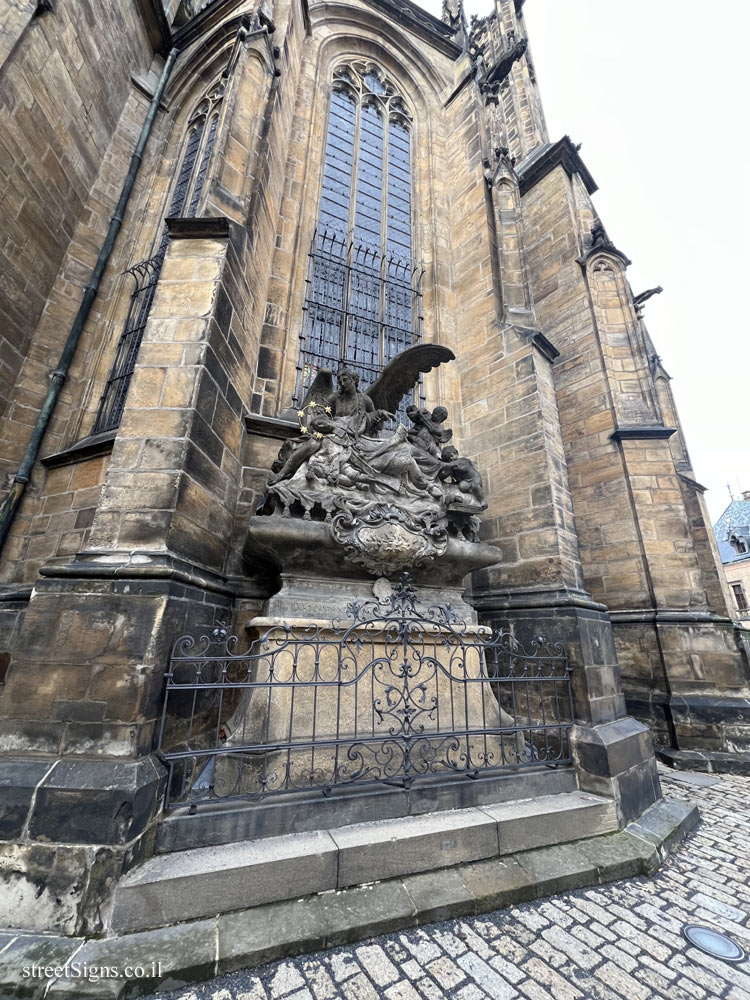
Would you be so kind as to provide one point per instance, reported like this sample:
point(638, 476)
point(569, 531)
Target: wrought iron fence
point(396, 693)
point(362, 308)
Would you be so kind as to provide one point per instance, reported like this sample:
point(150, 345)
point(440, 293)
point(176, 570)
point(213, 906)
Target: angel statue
point(341, 445)
point(392, 499)
point(382, 399)
point(348, 402)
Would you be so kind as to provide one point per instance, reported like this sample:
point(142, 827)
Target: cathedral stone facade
point(205, 204)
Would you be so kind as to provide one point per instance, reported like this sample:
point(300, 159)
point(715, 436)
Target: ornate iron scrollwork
point(396, 693)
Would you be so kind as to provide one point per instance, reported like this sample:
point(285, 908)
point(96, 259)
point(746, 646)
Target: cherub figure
point(428, 434)
point(463, 473)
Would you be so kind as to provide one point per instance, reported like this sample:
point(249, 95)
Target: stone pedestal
point(364, 693)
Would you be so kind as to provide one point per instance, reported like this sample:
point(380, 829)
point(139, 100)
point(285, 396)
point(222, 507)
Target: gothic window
point(188, 184)
point(363, 290)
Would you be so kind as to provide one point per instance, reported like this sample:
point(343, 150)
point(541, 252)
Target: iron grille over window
point(185, 199)
point(363, 302)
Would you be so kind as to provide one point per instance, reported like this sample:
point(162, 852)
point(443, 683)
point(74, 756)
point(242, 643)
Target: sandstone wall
point(66, 80)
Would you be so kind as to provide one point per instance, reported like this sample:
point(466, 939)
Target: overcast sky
point(657, 91)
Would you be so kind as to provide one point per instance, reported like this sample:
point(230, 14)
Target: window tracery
point(364, 287)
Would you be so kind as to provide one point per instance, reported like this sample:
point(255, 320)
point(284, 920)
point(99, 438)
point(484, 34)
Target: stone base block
point(197, 883)
point(171, 888)
point(617, 759)
point(76, 826)
point(298, 812)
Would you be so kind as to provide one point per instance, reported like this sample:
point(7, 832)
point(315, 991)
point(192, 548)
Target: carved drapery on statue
point(392, 498)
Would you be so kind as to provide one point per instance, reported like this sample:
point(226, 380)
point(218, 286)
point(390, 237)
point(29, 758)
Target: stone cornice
point(16, 593)
point(644, 433)
point(562, 153)
point(271, 427)
point(602, 244)
point(665, 616)
point(144, 567)
point(524, 598)
point(207, 227)
point(146, 88)
point(692, 482)
point(88, 447)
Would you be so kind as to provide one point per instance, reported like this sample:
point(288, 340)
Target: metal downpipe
point(57, 377)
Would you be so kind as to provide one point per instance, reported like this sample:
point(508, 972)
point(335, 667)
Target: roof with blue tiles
point(735, 518)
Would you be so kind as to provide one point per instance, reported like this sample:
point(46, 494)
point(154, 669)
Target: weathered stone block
point(56, 888)
point(97, 801)
point(551, 819)
point(253, 937)
point(182, 958)
point(444, 895)
point(617, 759)
point(558, 869)
point(18, 781)
point(382, 908)
point(32, 949)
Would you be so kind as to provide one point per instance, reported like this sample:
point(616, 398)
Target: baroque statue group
point(392, 498)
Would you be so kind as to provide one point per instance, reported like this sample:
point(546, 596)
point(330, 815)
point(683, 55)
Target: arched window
point(187, 188)
point(364, 287)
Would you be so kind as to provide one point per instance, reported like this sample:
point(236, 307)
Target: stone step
point(232, 821)
point(198, 949)
point(207, 881)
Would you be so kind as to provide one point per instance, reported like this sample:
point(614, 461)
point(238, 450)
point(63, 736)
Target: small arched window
point(364, 288)
point(198, 146)
point(187, 188)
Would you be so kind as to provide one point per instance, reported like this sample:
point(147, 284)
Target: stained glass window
point(363, 291)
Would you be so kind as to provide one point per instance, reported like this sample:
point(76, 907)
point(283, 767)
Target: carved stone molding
point(385, 539)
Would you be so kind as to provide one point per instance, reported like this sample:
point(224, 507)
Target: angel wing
point(320, 389)
point(402, 373)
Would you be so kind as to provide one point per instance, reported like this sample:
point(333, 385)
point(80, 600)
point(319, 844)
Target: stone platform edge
point(197, 950)
point(708, 761)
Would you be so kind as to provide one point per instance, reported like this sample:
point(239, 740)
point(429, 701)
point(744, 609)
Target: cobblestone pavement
point(616, 942)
